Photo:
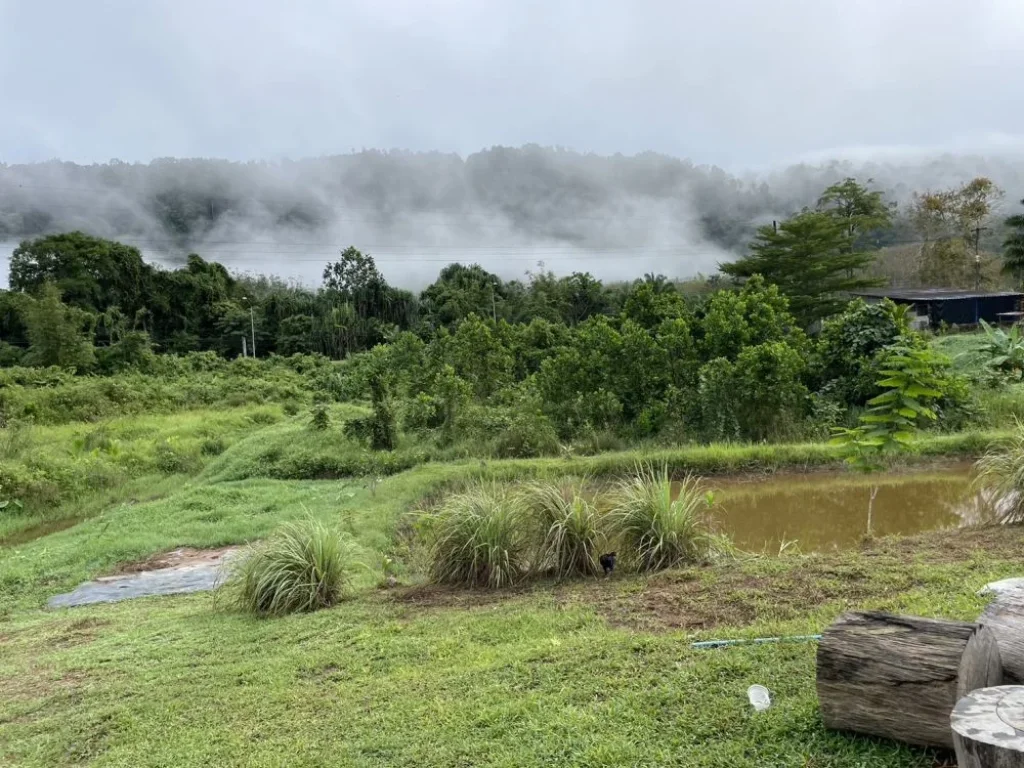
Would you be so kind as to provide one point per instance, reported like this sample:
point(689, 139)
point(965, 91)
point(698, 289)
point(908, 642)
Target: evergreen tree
point(810, 259)
point(1013, 247)
point(58, 334)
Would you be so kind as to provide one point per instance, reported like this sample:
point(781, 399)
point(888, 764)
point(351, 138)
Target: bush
point(301, 568)
point(528, 434)
point(172, 460)
point(570, 528)
point(660, 531)
point(319, 419)
point(480, 538)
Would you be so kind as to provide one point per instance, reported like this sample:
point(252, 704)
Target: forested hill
point(506, 208)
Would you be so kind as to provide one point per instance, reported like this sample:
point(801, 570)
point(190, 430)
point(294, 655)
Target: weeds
point(660, 531)
point(302, 568)
point(480, 538)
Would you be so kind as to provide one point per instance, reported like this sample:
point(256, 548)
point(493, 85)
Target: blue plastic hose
point(756, 641)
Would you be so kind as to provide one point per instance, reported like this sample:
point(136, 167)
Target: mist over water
point(510, 210)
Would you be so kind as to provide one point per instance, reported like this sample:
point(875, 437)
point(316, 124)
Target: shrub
point(301, 568)
point(527, 434)
point(290, 408)
point(319, 419)
point(570, 528)
point(171, 459)
point(1000, 477)
point(480, 538)
point(660, 531)
point(213, 446)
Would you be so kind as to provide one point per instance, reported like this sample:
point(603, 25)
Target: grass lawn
point(586, 673)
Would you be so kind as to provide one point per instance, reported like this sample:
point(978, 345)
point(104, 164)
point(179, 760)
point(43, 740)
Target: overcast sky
point(740, 83)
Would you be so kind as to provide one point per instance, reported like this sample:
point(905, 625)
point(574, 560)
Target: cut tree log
point(988, 728)
point(1004, 616)
point(899, 676)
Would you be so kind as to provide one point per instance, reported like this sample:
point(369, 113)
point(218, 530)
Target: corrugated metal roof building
point(933, 306)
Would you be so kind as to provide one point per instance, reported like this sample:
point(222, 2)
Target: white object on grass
point(759, 697)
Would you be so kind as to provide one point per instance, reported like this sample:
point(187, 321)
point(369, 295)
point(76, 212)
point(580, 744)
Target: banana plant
point(1005, 349)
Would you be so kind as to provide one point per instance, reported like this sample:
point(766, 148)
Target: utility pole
point(252, 324)
point(977, 256)
point(245, 352)
point(494, 311)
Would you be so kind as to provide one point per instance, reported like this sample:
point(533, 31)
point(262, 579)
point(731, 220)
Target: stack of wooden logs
point(902, 677)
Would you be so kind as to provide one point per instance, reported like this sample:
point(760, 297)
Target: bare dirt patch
point(740, 592)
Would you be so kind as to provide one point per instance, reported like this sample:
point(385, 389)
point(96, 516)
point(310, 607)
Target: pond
point(829, 510)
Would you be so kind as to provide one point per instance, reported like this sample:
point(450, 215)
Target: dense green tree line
point(549, 358)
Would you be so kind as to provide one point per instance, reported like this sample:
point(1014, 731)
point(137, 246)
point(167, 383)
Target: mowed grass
point(597, 672)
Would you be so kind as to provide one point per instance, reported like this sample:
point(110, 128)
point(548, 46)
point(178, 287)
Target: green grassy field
point(583, 673)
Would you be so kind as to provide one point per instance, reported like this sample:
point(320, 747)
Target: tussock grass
point(570, 527)
point(1000, 476)
point(305, 566)
point(480, 537)
point(660, 531)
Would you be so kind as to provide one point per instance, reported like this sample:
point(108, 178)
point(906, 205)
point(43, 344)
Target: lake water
point(829, 510)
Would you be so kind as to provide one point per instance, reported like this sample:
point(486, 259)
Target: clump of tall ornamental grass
point(303, 567)
point(569, 527)
point(480, 537)
point(999, 476)
point(662, 526)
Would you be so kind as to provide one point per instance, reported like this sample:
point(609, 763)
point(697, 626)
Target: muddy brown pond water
point(829, 510)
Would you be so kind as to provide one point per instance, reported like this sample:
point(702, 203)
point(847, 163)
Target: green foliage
point(570, 527)
point(319, 419)
point(9, 505)
point(949, 221)
point(756, 314)
point(526, 434)
point(912, 384)
point(862, 212)
point(379, 429)
point(303, 567)
point(60, 335)
point(1013, 247)
point(480, 537)
point(1004, 350)
point(758, 397)
point(810, 257)
point(662, 526)
point(845, 358)
point(93, 274)
point(132, 350)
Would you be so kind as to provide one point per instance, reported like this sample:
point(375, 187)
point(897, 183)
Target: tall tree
point(59, 334)
point(859, 209)
point(810, 259)
point(92, 273)
point(951, 222)
point(1013, 246)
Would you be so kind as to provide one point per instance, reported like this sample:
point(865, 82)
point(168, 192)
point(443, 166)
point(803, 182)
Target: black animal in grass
point(607, 562)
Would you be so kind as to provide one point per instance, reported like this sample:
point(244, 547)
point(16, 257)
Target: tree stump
point(1004, 616)
point(899, 677)
point(988, 728)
